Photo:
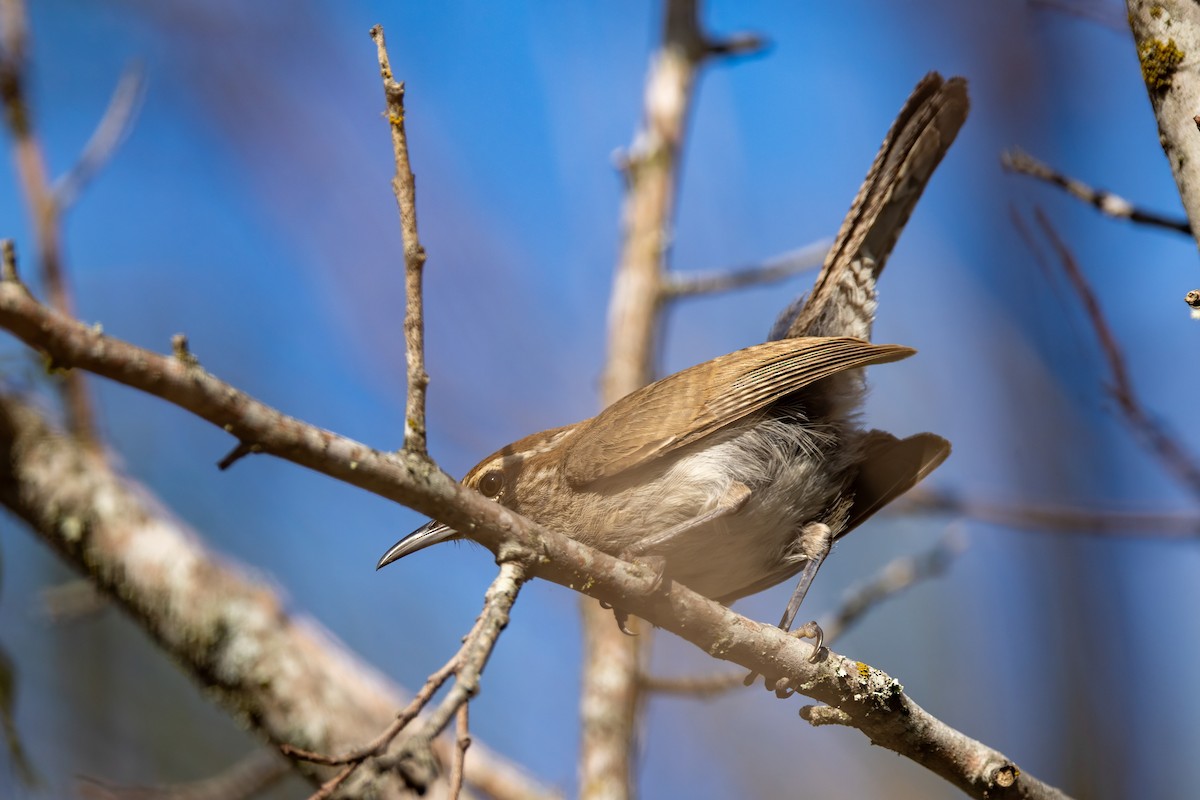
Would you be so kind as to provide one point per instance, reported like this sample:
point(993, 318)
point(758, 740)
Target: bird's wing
point(888, 468)
point(684, 408)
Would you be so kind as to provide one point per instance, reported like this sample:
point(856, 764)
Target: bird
point(739, 473)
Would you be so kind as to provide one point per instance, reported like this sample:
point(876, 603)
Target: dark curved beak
point(431, 532)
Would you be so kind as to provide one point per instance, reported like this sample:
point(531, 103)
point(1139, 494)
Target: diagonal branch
point(1106, 203)
point(868, 699)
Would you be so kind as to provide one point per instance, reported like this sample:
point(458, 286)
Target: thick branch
point(872, 702)
point(1167, 36)
point(405, 188)
point(280, 674)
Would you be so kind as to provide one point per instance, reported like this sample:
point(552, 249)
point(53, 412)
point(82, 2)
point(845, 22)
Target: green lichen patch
point(1160, 59)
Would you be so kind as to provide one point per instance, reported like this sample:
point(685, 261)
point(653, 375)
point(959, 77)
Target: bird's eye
point(491, 483)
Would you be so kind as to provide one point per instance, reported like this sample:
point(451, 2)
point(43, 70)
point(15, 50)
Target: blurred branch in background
point(45, 211)
point(612, 662)
point(1106, 203)
point(281, 673)
point(1175, 458)
point(678, 285)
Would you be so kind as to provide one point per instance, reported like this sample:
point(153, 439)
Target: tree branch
point(279, 673)
point(1106, 203)
point(1167, 36)
point(405, 188)
point(872, 701)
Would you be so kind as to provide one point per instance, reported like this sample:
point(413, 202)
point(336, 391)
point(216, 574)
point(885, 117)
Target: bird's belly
point(790, 482)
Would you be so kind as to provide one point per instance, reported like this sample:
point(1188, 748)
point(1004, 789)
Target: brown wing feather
point(889, 467)
point(680, 409)
point(912, 149)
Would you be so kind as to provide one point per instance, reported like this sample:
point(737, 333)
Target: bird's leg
point(821, 537)
point(730, 503)
point(822, 540)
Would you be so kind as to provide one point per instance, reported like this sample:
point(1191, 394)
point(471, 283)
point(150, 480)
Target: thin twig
point(44, 212)
point(466, 666)
point(462, 740)
point(1162, 444)
point(405, 189)
point(114, 127)
point(677, 285)
point(1105, 202)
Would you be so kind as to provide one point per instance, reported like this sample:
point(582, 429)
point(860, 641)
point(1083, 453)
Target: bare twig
point(405, 189)
point(44, 212)
point(247, 778)
point(1175, 458)
point(114, 127)
point(678, 285)
point(873, 702)
point(1104, 202)
point(462, 741)
point(466, 666)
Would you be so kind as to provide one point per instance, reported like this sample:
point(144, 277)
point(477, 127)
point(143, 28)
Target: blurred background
point(250, 208)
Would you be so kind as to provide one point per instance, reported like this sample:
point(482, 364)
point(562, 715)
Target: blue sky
point(250, 207)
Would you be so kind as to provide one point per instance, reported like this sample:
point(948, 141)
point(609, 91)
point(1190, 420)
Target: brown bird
point(737, 474)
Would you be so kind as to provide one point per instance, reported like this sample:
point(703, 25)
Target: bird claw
point(811, 630)
point(622, 617)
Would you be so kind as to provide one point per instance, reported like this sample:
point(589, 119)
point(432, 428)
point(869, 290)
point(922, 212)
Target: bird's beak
point(431, 532)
